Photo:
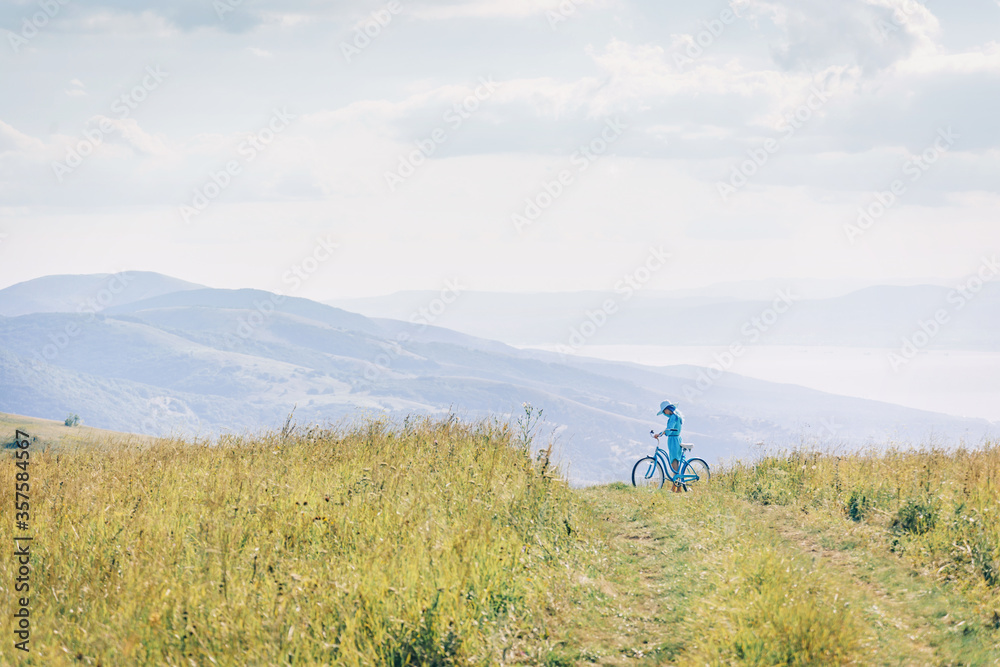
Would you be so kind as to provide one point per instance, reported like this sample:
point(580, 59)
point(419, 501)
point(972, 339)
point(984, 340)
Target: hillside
point(85, 294)
point(48, 433)
point(206, 362)
point(443, 542)
point(876, 317)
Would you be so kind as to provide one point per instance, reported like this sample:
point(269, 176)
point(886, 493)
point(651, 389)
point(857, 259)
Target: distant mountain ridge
point(86, 294)
point(876, 317)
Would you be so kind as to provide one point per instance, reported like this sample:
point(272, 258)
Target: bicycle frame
point(675, 477)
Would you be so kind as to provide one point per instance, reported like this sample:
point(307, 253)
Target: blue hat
point(667, 405)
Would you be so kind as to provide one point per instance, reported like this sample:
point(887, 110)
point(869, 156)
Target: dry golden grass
point(428, 543)
point(48, 433)
point(443, 542)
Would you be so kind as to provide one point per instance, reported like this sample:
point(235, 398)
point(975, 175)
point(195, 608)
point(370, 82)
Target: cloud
point(982, 59)
point(127, 132)
point(708, 113)
point(872, 34)
point(76, 89)
point(498, 8)
point(13, 141)
point(168, 17)
point(163, 17)
point(111, 20)
point(738, 226)
point(243, 15)
point(624, 78)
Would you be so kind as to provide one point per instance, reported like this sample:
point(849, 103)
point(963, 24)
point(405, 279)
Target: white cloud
point(76, 89)
point(913, 17)
point(499, 8)
point(13, 141)
point(111, 21)
point(128, 132)
point(984, 59)
point(870, 33)
point(687, 127)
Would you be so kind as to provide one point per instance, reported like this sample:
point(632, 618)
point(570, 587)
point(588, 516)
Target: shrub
point(858, 505)
point(916, 517)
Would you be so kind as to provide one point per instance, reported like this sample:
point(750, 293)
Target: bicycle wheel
point(695, 471)
point(648, 474)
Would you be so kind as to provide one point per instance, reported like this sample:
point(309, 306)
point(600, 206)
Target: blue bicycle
point(652, 472)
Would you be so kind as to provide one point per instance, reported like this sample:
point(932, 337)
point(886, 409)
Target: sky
point(514, 145)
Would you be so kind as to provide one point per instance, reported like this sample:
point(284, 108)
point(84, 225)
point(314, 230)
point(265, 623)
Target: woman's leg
point(674, 447)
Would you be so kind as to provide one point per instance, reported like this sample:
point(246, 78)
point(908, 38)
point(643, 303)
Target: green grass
point(694, 580)
point(445, 543)
point(939, 509)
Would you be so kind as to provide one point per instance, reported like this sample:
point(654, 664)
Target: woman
point(673, 433)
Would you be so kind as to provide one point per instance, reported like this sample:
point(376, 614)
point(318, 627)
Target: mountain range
point(873, 317)
point(164, 356)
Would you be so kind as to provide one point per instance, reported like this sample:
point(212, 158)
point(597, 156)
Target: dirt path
point(888, 608)
point(679, 584)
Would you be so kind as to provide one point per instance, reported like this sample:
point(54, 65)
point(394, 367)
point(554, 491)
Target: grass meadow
point(443, 542)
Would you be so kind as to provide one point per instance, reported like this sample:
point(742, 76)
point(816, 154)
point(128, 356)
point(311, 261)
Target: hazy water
point(954, 382)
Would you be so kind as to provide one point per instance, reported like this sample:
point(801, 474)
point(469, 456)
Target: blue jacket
point(673, 433)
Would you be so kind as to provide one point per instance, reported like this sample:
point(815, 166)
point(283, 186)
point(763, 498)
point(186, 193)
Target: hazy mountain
point(872, 317)
point(85, 294)
point(206, 361)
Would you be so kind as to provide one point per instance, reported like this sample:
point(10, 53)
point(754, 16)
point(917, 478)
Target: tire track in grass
point(906, 609)
point(633, 605)
point(695, 583)
point(712, 578)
